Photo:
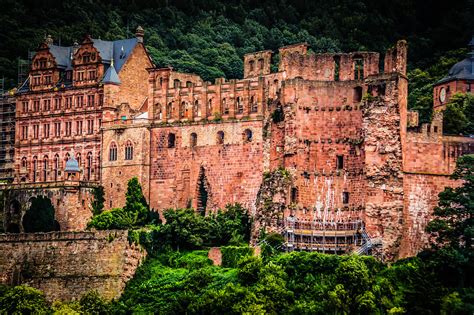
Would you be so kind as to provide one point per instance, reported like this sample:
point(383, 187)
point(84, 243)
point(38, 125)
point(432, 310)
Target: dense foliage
point(186, 229)
point(135, 213)
point(458, 118)
point(210, 37)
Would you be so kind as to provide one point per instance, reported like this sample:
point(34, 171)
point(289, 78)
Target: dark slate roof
point(119, 50)
point(111, 76)
point(463, 70)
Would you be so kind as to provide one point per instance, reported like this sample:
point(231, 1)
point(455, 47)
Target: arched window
point(97, 169)
point(253, 105)
point(159, 113)
point(260, 64)
point(209, 106)
point(171, 140)
point(113, 152)
point(196, 109)
point(240, 105)
point(193, 140)
point(23, 162)
point(248, 135)
point(337, 65)
point(357, 97)
point(78, 158)
point(35, 167)
point(177, 83)
point(169, 110)
point(225, 107)
point(56, 167)
point(220, 137)
point(89, 166)
point(45, 168)
point(189, 84)
point(129, 150)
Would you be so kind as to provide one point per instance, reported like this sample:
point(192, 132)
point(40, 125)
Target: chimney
point(139, 33)
point(48, 40)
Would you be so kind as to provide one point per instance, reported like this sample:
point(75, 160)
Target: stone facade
point(66, 265)
point(325, 144)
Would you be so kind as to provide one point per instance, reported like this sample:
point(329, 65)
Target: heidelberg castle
point(333, 122)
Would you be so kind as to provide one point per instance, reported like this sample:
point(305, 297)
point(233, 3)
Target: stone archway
point(40, 216)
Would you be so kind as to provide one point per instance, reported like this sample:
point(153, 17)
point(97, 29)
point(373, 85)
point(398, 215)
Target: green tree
point(136, 204)
point(98, 201)
point(93, 303)
point(23, 300)
point(453, 222)
point(458, 117)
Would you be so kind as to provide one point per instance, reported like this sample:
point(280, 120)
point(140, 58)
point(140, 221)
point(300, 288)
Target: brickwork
point(233, 168)
point(66, 265)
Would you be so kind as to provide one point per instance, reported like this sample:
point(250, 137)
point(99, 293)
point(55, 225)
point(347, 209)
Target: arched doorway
point(40, 216)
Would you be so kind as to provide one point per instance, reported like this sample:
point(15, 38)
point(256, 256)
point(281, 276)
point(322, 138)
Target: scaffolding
point(336, 237)
point(7, 137)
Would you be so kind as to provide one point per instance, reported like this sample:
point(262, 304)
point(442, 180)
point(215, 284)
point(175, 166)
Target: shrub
point(23, 299)
point(231, 255)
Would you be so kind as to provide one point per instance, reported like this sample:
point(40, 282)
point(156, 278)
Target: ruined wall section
point(296, 62)
point(383, 160)
point(66, 265)
point(71, 200)
point(232, 169)
point(322, 148)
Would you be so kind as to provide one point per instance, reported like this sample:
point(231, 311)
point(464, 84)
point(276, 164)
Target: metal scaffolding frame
point(7, 137)
point(337, 237)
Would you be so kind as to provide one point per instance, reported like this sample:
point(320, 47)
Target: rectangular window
point(57, 103)
point(37, 80)
point(101, 99)
point(35, 131)
point(90, 126)
point(79, 100)
point(47, 79)
point(57, 129)
point(46, 105)
point(90, 100)
point(25, 106)
point(69, 102)
point(68, 128)
point(24, 132)
point(92, 74)
point(46, 131)
point(340, 162)
point(80, 76)
point(36, 105)
point(345, 197)
point(79, 127)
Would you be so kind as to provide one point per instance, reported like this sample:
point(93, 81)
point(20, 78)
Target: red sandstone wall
point(233, 169)
point(420, 198)
point(324, 121)
point(66, 265)
point(116, 174)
